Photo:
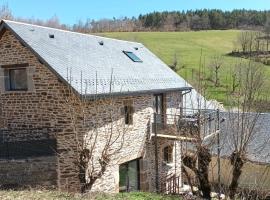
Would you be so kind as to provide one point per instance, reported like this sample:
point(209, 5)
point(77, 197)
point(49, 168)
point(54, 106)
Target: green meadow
point(194, 52)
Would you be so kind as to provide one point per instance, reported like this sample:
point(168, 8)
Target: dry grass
point(55, 195)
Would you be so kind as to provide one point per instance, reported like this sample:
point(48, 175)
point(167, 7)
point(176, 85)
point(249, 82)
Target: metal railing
point(188, 123)
point(172, 184)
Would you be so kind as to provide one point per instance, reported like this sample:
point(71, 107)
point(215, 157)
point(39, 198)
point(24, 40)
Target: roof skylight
point(132, 56)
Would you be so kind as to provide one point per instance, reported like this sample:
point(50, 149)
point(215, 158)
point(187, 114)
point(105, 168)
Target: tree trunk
point(237, 161)
point(204, 159)
point(188, 179)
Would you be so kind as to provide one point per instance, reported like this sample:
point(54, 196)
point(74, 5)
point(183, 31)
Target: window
point(159, 104)
point(159, 108)
point(132, 56)
point(168, 154)
point(128, 112)
point(129, 176)
point(15, 79)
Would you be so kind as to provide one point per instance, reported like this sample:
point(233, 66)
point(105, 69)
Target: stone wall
point(138, 142)
point(173, 103)
point(38, 172)
point(254, 175)
point(50, 104)
point(43, 107)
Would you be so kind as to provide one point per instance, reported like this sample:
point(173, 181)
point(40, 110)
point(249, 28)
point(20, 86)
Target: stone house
point(255, 172)
point(59, 87)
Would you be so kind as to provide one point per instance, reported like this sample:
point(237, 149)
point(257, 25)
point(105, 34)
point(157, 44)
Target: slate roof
point(91, 68)
point(259, 147)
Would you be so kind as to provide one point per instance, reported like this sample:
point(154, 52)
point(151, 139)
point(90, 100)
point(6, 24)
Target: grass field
point(188, 47)
point(54, 195)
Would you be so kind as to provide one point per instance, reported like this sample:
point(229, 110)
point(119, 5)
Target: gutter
point(136, 93)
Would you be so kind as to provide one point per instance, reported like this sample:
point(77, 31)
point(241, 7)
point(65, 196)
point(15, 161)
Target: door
point(129, 179)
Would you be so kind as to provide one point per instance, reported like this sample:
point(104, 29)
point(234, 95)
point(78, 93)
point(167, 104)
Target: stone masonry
point(49, 103)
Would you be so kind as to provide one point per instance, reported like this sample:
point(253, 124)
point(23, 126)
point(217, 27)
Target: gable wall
point(41, 109)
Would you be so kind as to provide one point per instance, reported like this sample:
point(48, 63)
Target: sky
point(70, 11)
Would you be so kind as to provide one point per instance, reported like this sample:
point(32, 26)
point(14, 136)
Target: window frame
point(128, 114)
point(10, 80)
point(160, 109)
point(168, 154)
point(7, 79)
point(134, 58)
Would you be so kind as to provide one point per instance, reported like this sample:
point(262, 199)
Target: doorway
point(129, 176)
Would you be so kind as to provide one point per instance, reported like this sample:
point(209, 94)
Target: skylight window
point(132, 56)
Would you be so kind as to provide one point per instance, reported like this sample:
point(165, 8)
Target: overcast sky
point(70, 11)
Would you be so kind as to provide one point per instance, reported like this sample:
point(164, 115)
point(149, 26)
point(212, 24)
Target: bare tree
point(202, 124)
point(175, 63)
point(246, 40)
point(53, 22)
point(5, 12)
point(258, 42)
point(97, 141)
point(215, 66)
point(242, 40)
point(267, 31)
point(243, 120)
point(235, 76)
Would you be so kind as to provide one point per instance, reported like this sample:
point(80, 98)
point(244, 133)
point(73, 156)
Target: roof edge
point(68, 31)
point(137, 93)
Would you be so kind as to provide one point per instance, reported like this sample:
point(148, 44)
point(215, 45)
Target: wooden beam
point(174, 137)
point(23, 65)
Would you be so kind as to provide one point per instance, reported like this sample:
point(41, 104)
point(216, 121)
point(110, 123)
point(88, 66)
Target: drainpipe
point(218, 142)
point(156, 154)
point(181, 115)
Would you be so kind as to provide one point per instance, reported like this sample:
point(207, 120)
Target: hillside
point(188, 47)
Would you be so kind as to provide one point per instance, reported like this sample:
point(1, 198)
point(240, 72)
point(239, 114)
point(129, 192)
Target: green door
point(129, 176)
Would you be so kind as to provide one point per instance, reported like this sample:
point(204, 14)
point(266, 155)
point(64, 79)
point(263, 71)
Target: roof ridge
point(73, 32)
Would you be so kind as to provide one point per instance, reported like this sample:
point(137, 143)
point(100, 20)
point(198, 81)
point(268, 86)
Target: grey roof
point(103, 68)
point(258, 150)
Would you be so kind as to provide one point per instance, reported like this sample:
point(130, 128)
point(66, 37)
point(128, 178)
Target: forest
point(190, 20)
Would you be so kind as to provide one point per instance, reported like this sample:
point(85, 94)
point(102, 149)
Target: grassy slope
point(188, 47)
point(54, 195)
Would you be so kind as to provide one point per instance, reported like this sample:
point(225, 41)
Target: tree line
point(204, 19)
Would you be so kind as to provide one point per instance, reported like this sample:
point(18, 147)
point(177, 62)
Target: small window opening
point(168, 154)
point(51, 35)
point(132, 56)
point(15, 79)
point(40, 61)
point(128, 112)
